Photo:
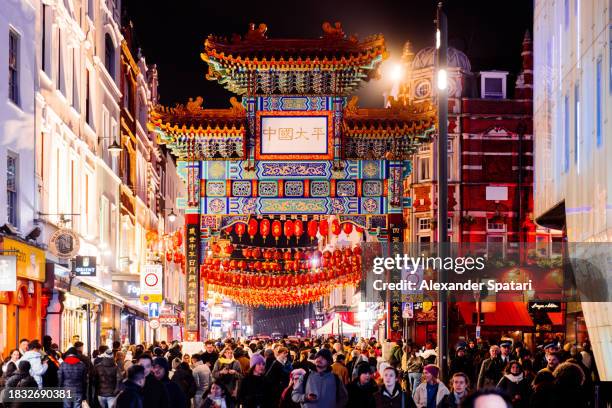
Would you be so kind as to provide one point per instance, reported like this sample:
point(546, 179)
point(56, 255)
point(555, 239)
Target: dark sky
point(172, 34)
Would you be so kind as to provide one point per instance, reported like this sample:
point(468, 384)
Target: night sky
point(489, 32)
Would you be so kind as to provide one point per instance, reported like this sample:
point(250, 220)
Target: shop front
point(20, 310)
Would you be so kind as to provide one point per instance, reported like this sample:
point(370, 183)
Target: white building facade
point(573, 170)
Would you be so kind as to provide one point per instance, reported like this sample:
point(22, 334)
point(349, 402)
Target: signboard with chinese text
point(395, 299)
point(192, 244)
point(290, 135)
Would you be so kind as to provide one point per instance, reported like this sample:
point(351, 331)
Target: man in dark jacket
point(462, 363)
point(361, 390)
point(73, 374)
point(154, 393)
point(106, 379)
point(491, 370)
point(210, 354)
point(175, 394)
point(174, 352)
point(277, 378)
point(183, 376)
point(131, 393)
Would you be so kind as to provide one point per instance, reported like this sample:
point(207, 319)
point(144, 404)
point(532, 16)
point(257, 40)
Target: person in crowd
point(412, 366)
point(130, 395)
point(491, 369)
point(461, 363)
point(340, 369)
point(429, 355)
point(19, 378)
point(361, 390)
point(430, 392)
point(460, 383)
point(395, 357)
point(568, 387)
point(553, 359)
point(243, 358)
point(23, 346)
point(504, 352)
point(286, 401)
point(183, 376)
point(99, 354)
point(277, 377)
point(356, 357)
point(282, 356)
point(542, 389)
point(174, 352)
point(38, 365)
point(176, 396)
point(487, 398)
point(256, 389)
point(320, 388)
point(73, 374)
point(202, 376)
point(390, 393)
point(227, 370)
point(217, 396)
point(107, 378)
point(120, 362)
point(12, 359)
point(515, 384)
point(210, 354)
point(187, 359)
point(154, 393)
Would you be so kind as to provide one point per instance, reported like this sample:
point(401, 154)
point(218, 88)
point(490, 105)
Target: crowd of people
point(305, 373)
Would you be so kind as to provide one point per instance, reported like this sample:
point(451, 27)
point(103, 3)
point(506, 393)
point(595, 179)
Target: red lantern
point(178, 239)
point(347, 227)
point(335, 227)
point(287, 255)
point(215, 248)
point(169, 256)
point(298, 228)
point(256, 253)
point(229, 248)
point(357, 250)
point(264, 228)
point(246, 253)
point(324, 227)
point(312, 227)
point(277, 230)
point(228, 230)
point(278, 255)
point(298, 255)
point(288, 227)
point(240, 229)
point(359, 229)
point(252, 228)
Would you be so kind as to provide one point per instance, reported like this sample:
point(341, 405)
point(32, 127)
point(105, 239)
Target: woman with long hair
point(217, 396)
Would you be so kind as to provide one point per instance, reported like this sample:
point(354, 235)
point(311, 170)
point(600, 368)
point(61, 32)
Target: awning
point(99, 292)
point(556, 318)
point(513, 314)
point(337, 326)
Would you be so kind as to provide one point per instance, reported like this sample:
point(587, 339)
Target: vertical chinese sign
point(192, 307)
point(395, 300)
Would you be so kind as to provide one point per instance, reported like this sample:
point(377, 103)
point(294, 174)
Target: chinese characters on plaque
point(192, 306)
point(294, 134)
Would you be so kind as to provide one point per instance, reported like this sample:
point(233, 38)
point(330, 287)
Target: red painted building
point(490, 176)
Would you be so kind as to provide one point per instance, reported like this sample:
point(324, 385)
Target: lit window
point(11, 189)
point(424, 169)
point(496, 226)
point(424, 224)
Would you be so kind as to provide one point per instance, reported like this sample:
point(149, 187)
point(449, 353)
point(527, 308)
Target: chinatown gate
point(284, 183)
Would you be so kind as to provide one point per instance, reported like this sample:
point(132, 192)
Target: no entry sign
point(151, 283)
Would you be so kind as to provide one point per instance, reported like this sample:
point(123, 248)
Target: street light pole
point(442, 84)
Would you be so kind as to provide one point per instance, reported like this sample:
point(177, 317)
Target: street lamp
point(442, 79)
point(115, 148)
point(172, 215)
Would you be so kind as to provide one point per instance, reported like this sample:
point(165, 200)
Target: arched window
point(109, 55)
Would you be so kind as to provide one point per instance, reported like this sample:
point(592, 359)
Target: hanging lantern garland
point(264, 228)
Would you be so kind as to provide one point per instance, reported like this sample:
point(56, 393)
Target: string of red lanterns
point(290, 228)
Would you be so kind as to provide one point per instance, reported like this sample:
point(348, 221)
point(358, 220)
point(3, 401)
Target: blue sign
point(215, 323)
point(153, 310)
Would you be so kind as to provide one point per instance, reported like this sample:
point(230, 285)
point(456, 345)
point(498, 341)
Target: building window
point(598, 118)
point(424, 148)
point(13, 65)
point(449, 223)
point(88, 113)
point(566, 13)
point(90, 9)
point(493, 226)
point(566, 137)
point(109, 55)
point(577, 126)
point(46, 39)
point(11, 189)
point(493, 84)
point(424, 224)
point(75, 81)
point(423, 173)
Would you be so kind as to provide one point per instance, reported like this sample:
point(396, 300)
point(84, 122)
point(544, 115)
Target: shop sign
point(85, 266)
point(544, 306)
point(127, 289)
point(192, 304)
point(168, 320)
point(215, 323)
point(8, 273)
point(154, 323)
point(30, 260)
point(151, 278)
point(64, 243)
point(408, 312)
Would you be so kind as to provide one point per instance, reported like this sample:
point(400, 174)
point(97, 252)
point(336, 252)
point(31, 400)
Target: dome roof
point(456, 59)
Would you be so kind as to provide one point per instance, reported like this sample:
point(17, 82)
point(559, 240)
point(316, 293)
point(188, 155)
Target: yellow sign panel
point(30, 260)
point(151, 298)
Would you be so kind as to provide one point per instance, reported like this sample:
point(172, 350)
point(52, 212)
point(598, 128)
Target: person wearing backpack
point(320, 388)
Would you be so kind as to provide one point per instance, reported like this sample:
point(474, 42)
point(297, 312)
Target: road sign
point(215, 323)
point(154, 310)
point(477, 332)
point(151, 277)
point(154, 323)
